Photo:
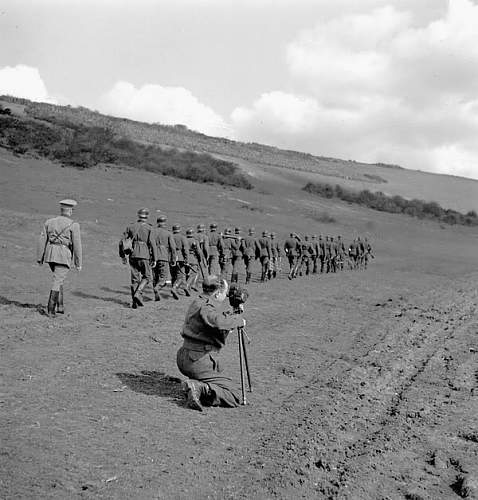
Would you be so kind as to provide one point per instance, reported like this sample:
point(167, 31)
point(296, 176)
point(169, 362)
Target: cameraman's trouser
point(201, 363)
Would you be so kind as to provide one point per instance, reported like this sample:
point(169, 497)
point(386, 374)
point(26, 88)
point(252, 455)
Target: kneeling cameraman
point(205, 330)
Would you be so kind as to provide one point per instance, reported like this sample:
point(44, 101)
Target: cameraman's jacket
point(144, 246)
point(182, 247)
point(165, 244)
point(60, 242)
point(207, 324)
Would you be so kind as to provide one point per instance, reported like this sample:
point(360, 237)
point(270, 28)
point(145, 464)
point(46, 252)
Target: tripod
point(243, 362)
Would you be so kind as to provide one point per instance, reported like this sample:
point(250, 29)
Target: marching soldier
point(360, 252)
point(292, 251)
point(328, 254)
point(182, 255)
point(194, 259)
point(226, 251)
point(59, 245)
point(368, 252)
point(321, 253)
point(264, 254)
point(205, 330)
point(276, 253)
point(250, 251)
point(315, 254)
point(237, 256)
point(139, 245)
point(214, 250)
point(203, 242)
point(340, 253)
point(166, 256)
point(353, 253)
point(333, 255)
point(306, 252)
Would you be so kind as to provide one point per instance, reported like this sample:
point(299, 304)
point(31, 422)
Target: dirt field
point(365, 383)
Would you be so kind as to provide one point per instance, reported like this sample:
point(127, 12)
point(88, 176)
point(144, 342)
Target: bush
point(393, 204)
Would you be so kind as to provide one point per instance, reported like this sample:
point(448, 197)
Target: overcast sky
point(369, 80)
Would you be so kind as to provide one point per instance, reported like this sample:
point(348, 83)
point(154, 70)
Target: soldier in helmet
point(203, 241)
point(328, 254)
point(321, 244)
point(276, 253)
point(250, 251)
point(194, 259)
point(59, 245)
point(265, 254)
point(292, 252)
point(178, 272)
point(315, 254)
point(166, 248)
point(340, 253)
point(142, 254)
point(215, 249)
point(236, 254)
point(307, 251)
point(226, 251)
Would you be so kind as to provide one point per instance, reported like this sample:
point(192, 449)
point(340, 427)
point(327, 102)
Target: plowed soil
point(364, 382)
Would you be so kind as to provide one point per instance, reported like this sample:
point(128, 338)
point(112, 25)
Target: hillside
point(276, 166)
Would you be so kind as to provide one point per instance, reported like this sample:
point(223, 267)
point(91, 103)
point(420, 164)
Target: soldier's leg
point(144, 269)
point(206, 368)
point(59, 274)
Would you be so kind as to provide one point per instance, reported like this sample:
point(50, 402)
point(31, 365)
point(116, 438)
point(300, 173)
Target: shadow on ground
point(5, 301)
point(154, 384)
point(84, 295)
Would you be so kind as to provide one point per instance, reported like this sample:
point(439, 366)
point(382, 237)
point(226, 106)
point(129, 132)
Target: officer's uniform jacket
point(182, 247)
point(203, 242)
point(166, 246)
point(250, 247)
point(144, 246)
point(264, 247)
point(292, 247)
point(208, 323)
point(60, 242)
point(215, 243)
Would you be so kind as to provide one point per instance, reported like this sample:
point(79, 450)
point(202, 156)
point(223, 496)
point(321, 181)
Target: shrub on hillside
point(393, 204)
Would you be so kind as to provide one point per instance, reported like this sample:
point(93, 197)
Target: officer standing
point(59, 245)
point(250, 251)
point(182, 256)
point(166, 256)
point(205, 330)
point(237, 256)
point(215, 249)
point(141, 250)
point(340, 253)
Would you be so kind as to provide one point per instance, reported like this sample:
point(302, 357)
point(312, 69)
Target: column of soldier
point(171, 258)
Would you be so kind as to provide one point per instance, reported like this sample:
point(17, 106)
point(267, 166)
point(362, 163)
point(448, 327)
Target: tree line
point(393, 204)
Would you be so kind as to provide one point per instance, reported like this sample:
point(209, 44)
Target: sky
point(370, 80)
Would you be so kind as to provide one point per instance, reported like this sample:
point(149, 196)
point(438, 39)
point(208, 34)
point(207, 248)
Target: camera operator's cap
point(189, 231)
point(213, 225)
point(162, 218)
point(68, 203)
point(176, 228)
point(143, 213)
point(211, 283)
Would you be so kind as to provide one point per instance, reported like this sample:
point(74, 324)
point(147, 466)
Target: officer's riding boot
point(60, 308)
point(137, 294)
point(52, 301)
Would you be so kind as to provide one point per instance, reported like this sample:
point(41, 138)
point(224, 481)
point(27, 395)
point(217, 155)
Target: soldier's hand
point(125, 260)
point(243, 322)
point(153, 264)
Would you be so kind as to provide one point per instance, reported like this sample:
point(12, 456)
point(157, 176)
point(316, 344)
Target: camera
point(237, 296)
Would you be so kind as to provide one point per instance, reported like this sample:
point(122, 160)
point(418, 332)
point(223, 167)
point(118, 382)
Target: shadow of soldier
point(153, 383)
point(5, 301)
point(84, 295)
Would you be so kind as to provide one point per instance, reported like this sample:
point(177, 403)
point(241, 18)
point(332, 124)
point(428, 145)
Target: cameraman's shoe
point(193, 390)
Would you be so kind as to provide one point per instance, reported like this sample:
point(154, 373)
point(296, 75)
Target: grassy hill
point(275, 168)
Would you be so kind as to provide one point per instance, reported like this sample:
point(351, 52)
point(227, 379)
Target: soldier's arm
point(153, 247)
point(77, 249)
point(185, 250)
point(41, 245)
point(172, 249)
point(220, 319)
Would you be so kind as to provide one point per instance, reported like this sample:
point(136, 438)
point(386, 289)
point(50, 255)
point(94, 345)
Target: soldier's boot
point(274, 273)
point(196, 393)
point(248, 278)
point(157, 297)
point(174, 290)
point(263, 276)
point(52, 301)
point(60, 308)
point(138, 293)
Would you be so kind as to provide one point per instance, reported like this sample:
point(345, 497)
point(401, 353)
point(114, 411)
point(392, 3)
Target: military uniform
point(194, 257)
point(315, 254)
point(250, 251)
point(265, 254)
point(206, 327)
point(182, 257)
point(226, 252)
point(340, 253)
point(368, 252)
point(276, 255)
point(292, 251)
point(353, 255)
point(166, 256)
point(59, 245)
point(143, 251)
point(333, 255)
point(307, 251)
point(236, 255)
point(203, 242)
point(214, 250)
point(321, 244)
point(328, 254)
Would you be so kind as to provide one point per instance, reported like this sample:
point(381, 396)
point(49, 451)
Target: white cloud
point(380, 86)
point(24, 81)
point(167, 105)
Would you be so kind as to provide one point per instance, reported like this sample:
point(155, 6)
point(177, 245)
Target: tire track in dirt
point(328, 436)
